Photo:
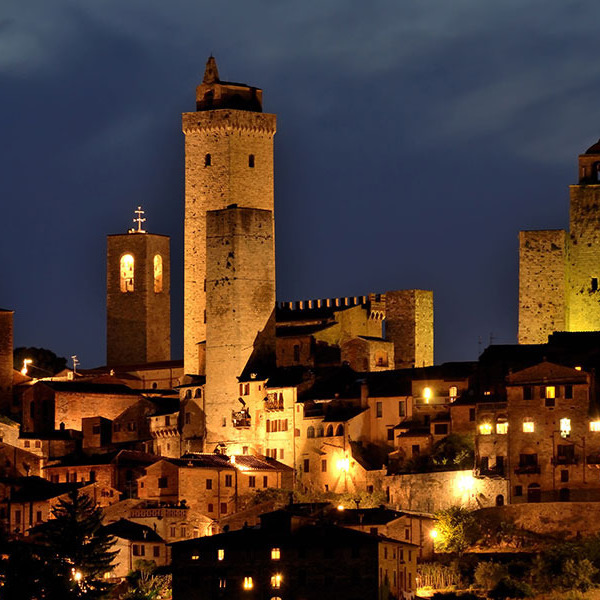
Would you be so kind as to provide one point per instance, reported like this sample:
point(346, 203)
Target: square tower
point(228, 160)
point(138, 301)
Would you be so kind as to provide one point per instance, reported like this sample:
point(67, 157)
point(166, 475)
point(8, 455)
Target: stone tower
point(583, 264)
point(240, 316)
point(6, 361)
point(228, 160)
point(138, 304)
point(559, 272)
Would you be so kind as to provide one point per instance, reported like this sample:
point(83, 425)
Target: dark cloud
point(414, 140)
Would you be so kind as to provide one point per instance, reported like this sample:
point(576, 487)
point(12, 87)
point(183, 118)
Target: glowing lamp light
point(77, 575)
point(464, 484)
point(26, 363)
point(427, 394)
point(343, 464)
point(433, 534)
point(341, 507)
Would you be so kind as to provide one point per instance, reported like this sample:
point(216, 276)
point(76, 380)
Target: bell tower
point(138, 302)
point(228, 161)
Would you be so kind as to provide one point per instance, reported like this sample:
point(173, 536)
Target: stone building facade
point(558, 271)
point(6, 361)
point(138, 305)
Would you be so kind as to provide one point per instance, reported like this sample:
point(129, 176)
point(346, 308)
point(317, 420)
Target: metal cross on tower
point(139, 220)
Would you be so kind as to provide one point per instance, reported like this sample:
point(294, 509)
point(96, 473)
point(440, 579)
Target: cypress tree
point(78, 550)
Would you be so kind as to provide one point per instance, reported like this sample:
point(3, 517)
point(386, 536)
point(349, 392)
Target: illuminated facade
point(138, 305)
point(559, 271)
point(544, 440)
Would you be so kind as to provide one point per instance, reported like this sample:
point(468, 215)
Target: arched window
point(499, 500)
point(198, 393)
point(320, 431)
point(188, 394)
point(207, 160)
point(251, 161)
point(127, 273)
point(158, 274)
point(329, 431)
point(339, 430)
point(310, 432)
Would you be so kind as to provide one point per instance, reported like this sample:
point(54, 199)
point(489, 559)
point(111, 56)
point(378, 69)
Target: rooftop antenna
point(139, 219)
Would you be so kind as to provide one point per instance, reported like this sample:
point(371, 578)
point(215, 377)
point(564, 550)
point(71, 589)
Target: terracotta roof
point(134, 532)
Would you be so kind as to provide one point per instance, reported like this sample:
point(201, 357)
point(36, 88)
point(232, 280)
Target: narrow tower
point(583, 312)
point(138, 304)
point(6, 361)
point(228, 161)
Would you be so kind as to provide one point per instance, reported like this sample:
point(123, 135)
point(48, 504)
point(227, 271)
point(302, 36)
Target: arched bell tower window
point(207, 160)
point(158, 274)
point(127, 273)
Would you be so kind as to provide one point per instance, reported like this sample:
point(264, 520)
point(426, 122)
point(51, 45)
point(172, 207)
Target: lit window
point(528, 426)
point(276, 581)
point(221, 554)
point(427, 394)
point(127, 273)
point(502, 427)
point(158, 274)
point(195, 557)
point(485, 429)
point(453, 392)
point(565, 427)
point(275, 553)
point(550, 391)
point(595, 426)
point(222, 582)
point(248, 583)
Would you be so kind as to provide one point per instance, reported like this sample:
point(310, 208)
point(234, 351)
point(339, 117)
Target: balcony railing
point(241, 418)
point(490, 472)
point(565, 460)
point(528, 470)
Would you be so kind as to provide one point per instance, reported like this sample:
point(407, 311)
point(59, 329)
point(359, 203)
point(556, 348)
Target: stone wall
point(409, 324)
point(584, 259)
point(542, 284)
point(568, 518)
point(240, 283)
point(430, 492)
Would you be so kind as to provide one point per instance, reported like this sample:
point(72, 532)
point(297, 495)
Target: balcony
point(273, 403)
point(528, 470)
point(490, 472)
point(565, 460)
point(241, 419)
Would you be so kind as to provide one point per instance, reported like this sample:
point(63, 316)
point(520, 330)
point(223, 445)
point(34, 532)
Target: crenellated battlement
point(375, 303)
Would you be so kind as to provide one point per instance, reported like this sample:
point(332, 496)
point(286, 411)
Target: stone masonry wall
point(542, 285)
point(430, 492)
point(409, 324)
point(138, 322)
point(584, 259)
point(229, 137)
point(240, 283)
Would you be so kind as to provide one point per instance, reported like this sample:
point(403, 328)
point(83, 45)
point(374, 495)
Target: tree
point(456, 529)
point(78, 549)
point(146, 584)
point(455, 451)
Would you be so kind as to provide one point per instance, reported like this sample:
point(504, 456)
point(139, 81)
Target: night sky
point(415, 139)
